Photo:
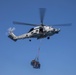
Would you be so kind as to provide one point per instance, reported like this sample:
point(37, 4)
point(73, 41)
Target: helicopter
point(38, 31)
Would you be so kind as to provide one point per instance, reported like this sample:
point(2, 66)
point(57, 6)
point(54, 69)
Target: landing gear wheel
point(30, 40)
point(48, 37)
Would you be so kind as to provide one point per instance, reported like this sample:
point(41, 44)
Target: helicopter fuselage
point(42, 32)
point(36, 32)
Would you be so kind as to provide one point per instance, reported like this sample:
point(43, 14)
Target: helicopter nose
point(57, 31)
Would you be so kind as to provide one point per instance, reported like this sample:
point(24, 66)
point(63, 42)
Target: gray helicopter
point(39, 31)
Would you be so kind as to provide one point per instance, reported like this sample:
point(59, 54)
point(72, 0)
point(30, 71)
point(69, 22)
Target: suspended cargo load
point(35, 63)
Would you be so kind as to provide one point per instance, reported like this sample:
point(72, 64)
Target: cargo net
point(35, 62)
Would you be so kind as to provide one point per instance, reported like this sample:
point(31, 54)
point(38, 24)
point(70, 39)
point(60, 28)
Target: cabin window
point(31, 32)
point(36, 30)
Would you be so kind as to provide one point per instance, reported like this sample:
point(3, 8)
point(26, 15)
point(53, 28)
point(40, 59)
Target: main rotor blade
point(21, 23)
point(42, 14)
point(68, 24)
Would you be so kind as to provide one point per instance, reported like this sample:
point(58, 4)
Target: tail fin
point(11, 34)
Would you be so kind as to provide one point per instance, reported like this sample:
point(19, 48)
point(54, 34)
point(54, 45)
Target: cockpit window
point(31, 29)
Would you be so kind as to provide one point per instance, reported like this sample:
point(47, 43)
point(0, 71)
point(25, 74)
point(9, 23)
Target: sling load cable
point(38, 65)
point(37, 56)
point(35, 63)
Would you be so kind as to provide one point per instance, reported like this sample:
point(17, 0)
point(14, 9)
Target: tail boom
point(15, 38)
point(12, 36)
